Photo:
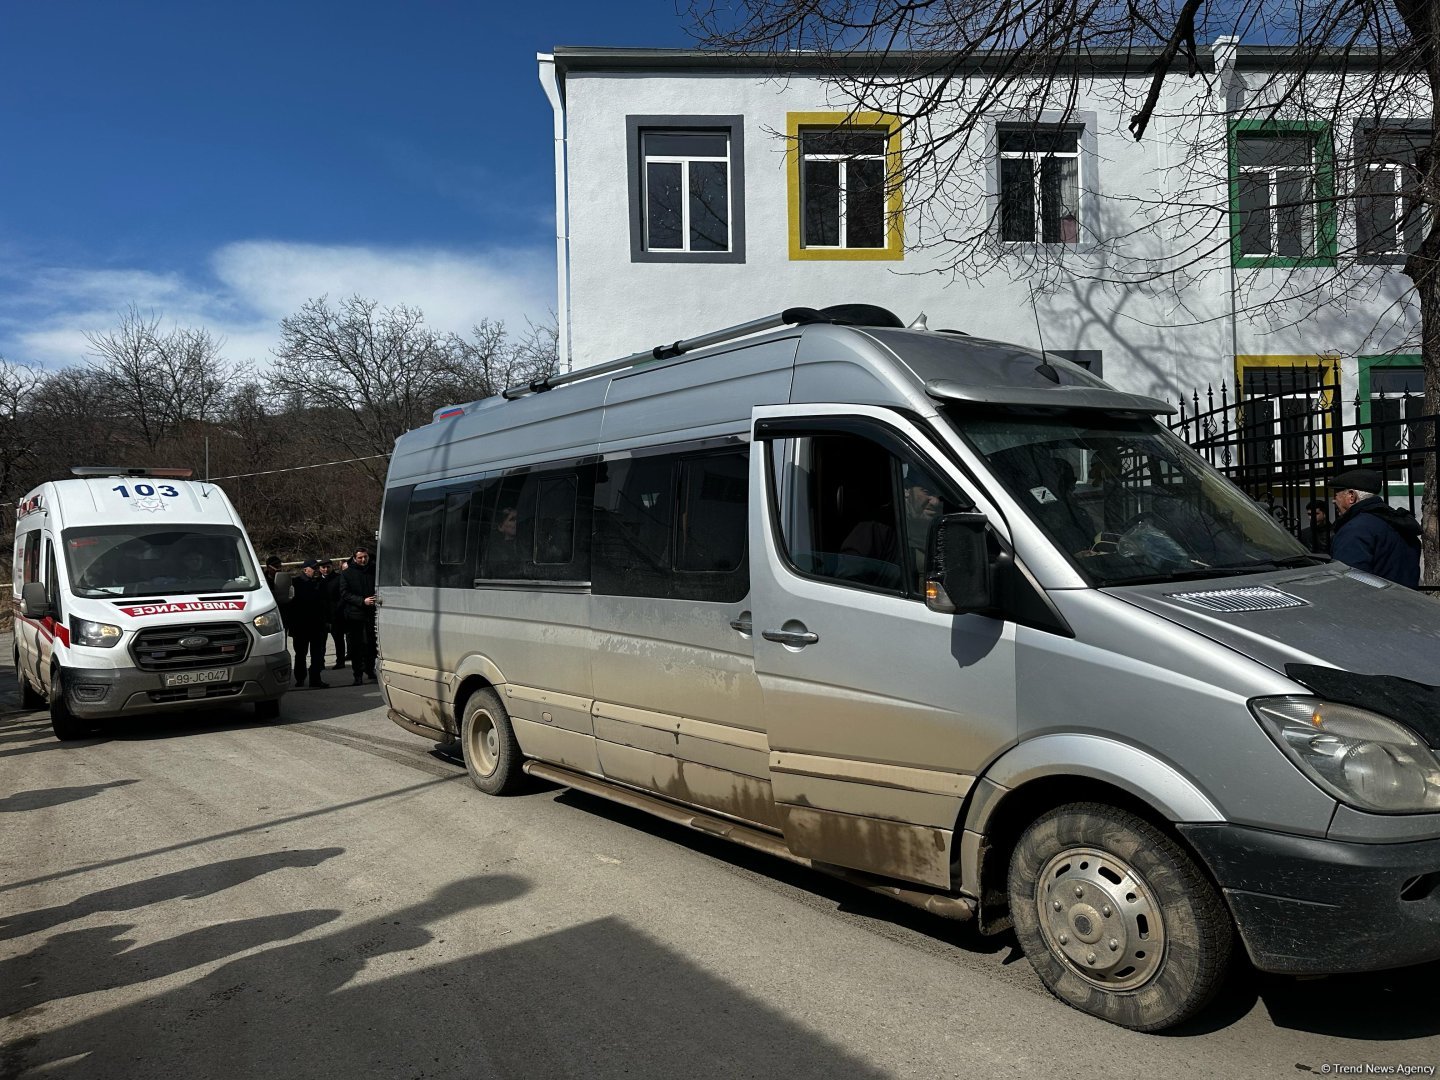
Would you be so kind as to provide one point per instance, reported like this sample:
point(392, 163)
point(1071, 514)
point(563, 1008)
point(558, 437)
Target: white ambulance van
point(138, 591)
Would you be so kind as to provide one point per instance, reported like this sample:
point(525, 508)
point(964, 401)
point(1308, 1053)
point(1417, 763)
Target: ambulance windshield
point(119, 560)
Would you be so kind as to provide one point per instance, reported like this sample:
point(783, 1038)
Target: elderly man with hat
point(1371, 535)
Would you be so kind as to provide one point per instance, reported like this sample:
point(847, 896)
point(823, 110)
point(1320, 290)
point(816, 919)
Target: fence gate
point(1282, 437)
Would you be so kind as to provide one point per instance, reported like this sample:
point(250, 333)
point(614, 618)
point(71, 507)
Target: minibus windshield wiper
point(1198, 572)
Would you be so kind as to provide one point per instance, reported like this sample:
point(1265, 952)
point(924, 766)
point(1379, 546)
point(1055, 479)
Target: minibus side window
point(555, 520)
point(673, 526)
point(853, 512)
point(634, 511)
point(536, 527)
point(457, 562)
point(422, 538)
point(712, 525)
point(392, 535)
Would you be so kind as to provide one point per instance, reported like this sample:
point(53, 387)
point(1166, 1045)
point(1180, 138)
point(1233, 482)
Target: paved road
point(326, 896)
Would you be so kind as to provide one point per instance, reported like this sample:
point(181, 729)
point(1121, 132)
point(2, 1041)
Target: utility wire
point(296, 468)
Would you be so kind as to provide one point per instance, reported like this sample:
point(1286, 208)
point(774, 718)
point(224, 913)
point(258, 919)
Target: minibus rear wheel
point(30, 698)
point(1117, 920)
point(66, 725)
point(492, 756)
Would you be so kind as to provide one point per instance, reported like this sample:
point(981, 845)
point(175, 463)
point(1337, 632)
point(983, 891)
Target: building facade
point(1259, 249)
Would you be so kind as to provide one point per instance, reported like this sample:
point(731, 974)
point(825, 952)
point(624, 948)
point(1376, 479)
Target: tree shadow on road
point(191, 883)
point(600, 999)
point(43, 797)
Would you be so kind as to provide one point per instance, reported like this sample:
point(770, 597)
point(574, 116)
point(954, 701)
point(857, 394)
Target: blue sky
point(220, 164)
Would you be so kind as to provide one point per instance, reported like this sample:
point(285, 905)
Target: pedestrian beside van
point(137, 591)
point(947, 617)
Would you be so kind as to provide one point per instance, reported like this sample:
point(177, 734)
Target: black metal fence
point(1283, 436)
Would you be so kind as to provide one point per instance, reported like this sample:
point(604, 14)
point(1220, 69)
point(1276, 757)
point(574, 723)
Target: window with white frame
point(1275, 176)
point(1039, 184)
point(1390, 218)
point(842, 188)
point(686, 198)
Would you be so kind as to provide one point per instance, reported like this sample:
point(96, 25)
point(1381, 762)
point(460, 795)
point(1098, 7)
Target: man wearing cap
point(1371, 535)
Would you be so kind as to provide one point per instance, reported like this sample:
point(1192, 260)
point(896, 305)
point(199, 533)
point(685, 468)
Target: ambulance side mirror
point(283, 588)
point(34, 601)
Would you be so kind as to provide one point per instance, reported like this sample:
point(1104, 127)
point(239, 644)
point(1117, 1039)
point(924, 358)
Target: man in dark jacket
point(337, 617)
point(307, 618)
point(357, 603)
point(1369, 534)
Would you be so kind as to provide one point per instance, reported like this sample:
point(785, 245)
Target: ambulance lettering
point(141, 610)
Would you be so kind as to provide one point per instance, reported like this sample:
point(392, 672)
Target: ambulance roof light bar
point(796, 316)
point(133, 470)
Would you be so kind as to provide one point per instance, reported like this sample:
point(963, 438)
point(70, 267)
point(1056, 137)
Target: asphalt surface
point(328, 896)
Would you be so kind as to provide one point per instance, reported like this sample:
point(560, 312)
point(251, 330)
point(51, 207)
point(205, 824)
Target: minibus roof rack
point(132, 470)
point(839, 314)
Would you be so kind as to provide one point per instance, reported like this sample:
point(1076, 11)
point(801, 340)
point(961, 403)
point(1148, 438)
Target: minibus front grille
point(166, 648)
point(1251, 598)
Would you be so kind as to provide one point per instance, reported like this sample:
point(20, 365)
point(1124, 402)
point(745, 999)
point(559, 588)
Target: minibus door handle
point(742, 623)
point(797, 638)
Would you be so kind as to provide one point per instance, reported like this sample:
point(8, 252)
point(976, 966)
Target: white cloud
point(251, 285)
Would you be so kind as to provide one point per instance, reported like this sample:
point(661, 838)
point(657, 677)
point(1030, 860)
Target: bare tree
point(363, 375)
point(127, 359)
point(159, 380)
point(948, 69)
point(21, 443)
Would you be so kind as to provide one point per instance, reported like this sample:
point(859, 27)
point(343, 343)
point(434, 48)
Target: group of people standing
point(331, 602)
point(1367, 532)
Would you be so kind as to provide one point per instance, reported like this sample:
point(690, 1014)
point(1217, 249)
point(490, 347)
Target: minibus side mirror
point(34, 601)
point(283, 588)
point(961, 578)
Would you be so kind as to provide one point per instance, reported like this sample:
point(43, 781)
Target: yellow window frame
point(1328, 365)
point(797, 122)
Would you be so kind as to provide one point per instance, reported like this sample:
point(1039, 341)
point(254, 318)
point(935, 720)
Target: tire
point(1117, 920)
point(267, 710)
point(30, 698)
point(66, 725)
point(487, 741)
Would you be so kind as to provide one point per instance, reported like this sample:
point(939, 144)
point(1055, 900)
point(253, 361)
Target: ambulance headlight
point(97, 635)
point(1361, 758)
point(268, 622)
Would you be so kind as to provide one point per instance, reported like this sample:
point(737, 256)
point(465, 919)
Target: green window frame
point(1363, 406)
point(1322, 161)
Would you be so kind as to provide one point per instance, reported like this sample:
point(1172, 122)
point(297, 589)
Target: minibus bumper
point(104, 693)
point(1308, 906)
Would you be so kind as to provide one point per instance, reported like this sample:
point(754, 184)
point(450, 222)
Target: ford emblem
point(194, 642)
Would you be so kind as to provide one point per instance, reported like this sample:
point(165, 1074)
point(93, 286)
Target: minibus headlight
point(268, 622)
point(1363, 759)
point(96, 634)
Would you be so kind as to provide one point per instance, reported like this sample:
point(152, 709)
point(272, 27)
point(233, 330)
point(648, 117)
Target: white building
point(699, 191)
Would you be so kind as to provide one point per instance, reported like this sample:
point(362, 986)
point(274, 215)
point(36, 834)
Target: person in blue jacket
point(1371, 535)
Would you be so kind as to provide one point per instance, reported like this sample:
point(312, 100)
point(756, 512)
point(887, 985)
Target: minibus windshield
point(1125, 499)
point(139, 560)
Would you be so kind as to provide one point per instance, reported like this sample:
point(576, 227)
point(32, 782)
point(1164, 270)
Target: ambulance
point(137, 591)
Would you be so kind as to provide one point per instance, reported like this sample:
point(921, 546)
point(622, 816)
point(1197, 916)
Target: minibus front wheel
point(1116, 918)
point(492, 756)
